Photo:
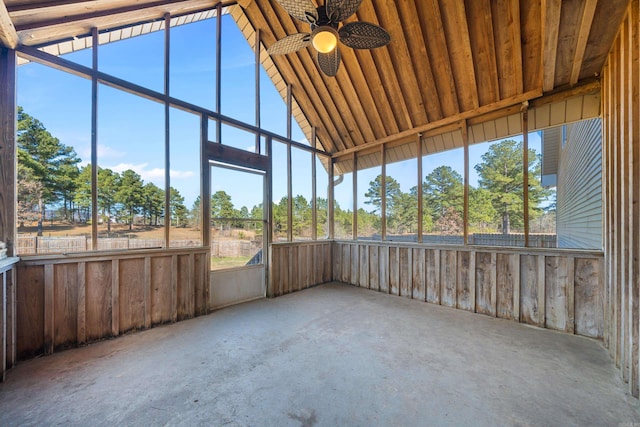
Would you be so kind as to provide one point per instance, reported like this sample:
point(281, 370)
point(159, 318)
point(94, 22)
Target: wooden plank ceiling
point(448, 61)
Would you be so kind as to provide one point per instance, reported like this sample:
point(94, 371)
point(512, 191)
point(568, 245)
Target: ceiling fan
point(326, 31)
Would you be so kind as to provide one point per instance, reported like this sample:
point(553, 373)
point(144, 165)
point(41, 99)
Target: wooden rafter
point(457, 32)
point(447, 60)
point(583, 35)
point(433, 33)
point(8, 34)
point(418, 56)
point(383, 62)
point(551, 26)
point(399, 54)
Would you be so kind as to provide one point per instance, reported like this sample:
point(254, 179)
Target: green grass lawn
point(218, 263)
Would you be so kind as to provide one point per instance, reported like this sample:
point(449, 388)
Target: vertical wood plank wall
point(299, 265)
point(555, 289)
point(7, 315)
point(621, 176)
point(67, 301)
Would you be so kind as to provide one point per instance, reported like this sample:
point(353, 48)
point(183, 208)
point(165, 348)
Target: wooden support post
point(218, 70)
point(420, 195)
point(331, 200)
point(289, 110)
point(314, 189)
point(256, 53)
point(167, 132)
point(8, 169)
point(267, 217)
point(525, 172)
point(465, 214)
point(94, 140)
point(205, 183)
point(289, 196)
point(355, 198)
point(383, 191)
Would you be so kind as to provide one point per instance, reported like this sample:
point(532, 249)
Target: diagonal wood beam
point(583, 36)
point(8, 34)
point(407, 134)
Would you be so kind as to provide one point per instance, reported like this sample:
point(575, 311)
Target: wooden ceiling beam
point(583, 36)
point(8, 35)
point(551, 11)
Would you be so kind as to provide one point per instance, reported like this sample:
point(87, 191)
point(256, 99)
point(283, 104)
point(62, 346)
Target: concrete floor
point(333, 355)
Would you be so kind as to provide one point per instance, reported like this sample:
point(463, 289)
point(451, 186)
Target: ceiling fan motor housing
point(322, 21)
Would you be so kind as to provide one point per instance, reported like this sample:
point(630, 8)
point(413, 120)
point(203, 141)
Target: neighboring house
point(572, 161)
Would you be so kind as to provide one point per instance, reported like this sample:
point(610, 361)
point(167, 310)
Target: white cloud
point(155, 175)
point(104, 152)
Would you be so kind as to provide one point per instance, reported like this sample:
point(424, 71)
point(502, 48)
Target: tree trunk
point(506, 226)
point(41, 218)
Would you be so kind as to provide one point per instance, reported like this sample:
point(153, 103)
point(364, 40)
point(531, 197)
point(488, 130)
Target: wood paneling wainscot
point(300, 265)
point(7, 315)
point(621, 177)
point(65, 301)
point(555, 289)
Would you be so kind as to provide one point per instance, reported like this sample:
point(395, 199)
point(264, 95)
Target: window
point(322, 196)
point(280, 193)
point(343, 198)
point(496, 207)
point(402, 193)
point(443, 197)
point(54, 154)
point(193, 63)
point(370, 196)
point(131, 174)
point(184, 199)
point(301, 190)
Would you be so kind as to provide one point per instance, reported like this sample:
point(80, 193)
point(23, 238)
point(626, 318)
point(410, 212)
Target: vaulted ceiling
point(447, 61)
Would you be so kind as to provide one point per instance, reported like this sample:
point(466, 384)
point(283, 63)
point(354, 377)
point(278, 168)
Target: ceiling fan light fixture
point(324, 39)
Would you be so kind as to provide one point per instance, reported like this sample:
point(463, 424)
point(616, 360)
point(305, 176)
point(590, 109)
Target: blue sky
point(131, 129)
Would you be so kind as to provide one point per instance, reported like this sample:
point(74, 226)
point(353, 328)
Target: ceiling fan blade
point(363, 35)
point(329, 62)
point(339, 10)
point(303, 10)
point(290, 44)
